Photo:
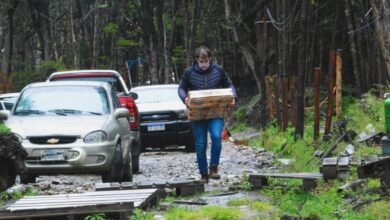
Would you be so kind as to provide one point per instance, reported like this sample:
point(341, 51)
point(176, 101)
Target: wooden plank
point(289, 175)
point(380, 134)
point(105, 208)
point(338, 83)
point(85, 199)
point(210, 93)
point(329, 161)
point(343, 162)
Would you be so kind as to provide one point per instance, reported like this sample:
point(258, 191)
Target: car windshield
point(111, 80)
point(155, 95)
point(63, 100)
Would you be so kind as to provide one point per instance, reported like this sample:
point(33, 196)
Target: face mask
point(204, 66)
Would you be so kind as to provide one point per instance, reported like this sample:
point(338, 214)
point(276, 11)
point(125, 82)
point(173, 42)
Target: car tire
point(7, 175)
point(128, 169)
point(114, 174)
point(135, 164)
point(190, 146)
point(27, 178)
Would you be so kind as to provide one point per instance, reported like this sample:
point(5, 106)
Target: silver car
point(72, 128)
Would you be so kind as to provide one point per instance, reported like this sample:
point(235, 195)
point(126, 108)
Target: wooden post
point(276, 84)
point(269, 94)
point(329, 112)
point(339, 64)
point(317, 77)
point(293, 100)
point(285, 105)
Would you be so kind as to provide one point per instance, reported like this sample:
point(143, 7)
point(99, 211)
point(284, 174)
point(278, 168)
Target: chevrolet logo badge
point(52, 141)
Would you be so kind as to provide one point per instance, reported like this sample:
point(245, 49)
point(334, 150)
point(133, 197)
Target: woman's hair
point(202, 52)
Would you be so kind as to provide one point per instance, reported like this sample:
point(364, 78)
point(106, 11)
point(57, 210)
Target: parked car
point(9, 97)
point(163, 117)
point(126, 98)
point(4, 105)
point(72, 128)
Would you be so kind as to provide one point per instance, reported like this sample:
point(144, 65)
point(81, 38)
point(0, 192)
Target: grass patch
point(139, 214)
point(296, 202)
point(238, 202)
point(208, 212)
point(239, 127)
point(365, 116)
point(377, 210)
point(17, 195)
point(4, 129)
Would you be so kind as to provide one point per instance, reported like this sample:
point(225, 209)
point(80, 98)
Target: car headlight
point(20, 138)
point(95, 137)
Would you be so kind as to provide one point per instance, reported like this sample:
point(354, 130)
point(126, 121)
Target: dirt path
point(168, 165)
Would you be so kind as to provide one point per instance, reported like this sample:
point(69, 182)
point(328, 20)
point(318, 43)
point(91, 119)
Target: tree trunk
point(246, 50)
point(299, 129)
point(73, 41)
point(352, 48)
point(95, 49)
point(8, 56)
point(382, 26)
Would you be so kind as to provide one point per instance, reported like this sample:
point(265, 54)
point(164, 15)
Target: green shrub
point(4, 129)
point(208, 212)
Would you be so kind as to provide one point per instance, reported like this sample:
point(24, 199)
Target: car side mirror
point(121, 113)
point(134, 95)
point(4, 115)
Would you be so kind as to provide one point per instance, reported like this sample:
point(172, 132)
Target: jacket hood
point(55, 125)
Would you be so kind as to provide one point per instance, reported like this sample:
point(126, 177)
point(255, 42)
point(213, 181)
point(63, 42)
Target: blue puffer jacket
point(195, 78)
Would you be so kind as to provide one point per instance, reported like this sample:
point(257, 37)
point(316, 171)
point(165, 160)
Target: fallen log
point(352, 185)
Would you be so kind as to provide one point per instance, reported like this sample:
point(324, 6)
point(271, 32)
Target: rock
point(286, 161)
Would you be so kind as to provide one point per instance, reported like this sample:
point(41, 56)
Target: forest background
point(152, 42)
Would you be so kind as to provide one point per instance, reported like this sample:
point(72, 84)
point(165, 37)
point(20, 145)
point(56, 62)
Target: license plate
point(53, 155)
point(156, 127)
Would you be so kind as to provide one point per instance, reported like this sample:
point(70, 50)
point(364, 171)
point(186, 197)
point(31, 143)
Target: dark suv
point(163, 117)
point(125, 97)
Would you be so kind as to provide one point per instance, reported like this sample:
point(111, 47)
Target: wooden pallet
point(335, 167)
point(309, 179)
point(183, 187)
point(71, 205)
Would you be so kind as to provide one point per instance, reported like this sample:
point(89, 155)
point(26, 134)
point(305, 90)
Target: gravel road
point(171, 164)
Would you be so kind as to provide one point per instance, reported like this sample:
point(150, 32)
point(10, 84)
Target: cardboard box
point(211, 103)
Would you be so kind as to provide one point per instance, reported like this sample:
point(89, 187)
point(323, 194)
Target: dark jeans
point(199, 130)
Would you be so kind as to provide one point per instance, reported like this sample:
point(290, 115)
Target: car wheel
point(116, 169)
point(190, 146)
point(27, 178)
point(128, 169)
point(135, 164)
point(7, 175)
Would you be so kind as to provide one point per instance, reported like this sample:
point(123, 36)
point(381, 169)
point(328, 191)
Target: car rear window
point(155, 95)
point(113, 81)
